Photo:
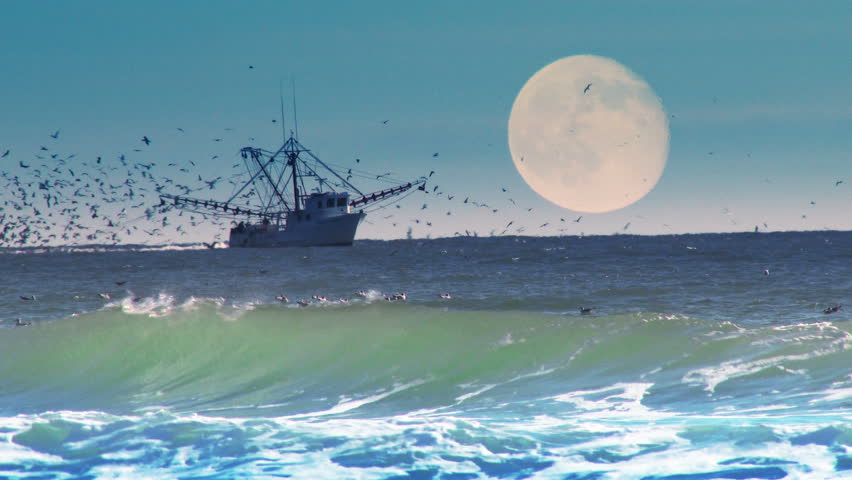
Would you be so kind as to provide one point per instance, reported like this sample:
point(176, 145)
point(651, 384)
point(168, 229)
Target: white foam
point(648, 448)
point(712, 376)
point(626, 400)
point(474, 393)
point(346, 404)
point(161, 305)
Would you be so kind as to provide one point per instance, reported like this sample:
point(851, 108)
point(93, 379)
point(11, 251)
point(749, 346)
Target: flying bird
point(146, 140)
point(435, 155)
point(835, 183)
point(385, 122)
point(5, 154)
point(587, 88)
point(55, 135)
point(578, 219)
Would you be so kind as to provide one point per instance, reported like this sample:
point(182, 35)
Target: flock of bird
point(321, 299)
point(56, 198)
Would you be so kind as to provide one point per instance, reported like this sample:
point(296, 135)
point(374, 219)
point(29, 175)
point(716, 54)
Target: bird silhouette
point(55, 135)
point(587, 88)
point(146, 140)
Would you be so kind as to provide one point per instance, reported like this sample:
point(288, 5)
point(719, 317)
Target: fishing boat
point(275, 208)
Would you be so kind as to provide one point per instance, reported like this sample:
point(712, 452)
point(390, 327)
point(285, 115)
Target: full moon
point(588, 134)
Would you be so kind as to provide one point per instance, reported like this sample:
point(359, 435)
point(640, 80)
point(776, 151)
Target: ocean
point(704, 356)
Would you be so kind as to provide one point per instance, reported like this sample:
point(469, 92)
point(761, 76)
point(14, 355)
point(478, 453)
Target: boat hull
point(332, 231)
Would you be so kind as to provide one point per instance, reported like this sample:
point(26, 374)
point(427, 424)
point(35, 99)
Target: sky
point(766, 86)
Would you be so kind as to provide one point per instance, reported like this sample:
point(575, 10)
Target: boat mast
point(292, 153)
point(281, 96)
point(295, 114)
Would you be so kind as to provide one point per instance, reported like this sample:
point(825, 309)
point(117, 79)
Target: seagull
point(146, 140)
point(835, 183)
point(251, 67)
point(445, 296)
point(5, 154)
point(587, 88)
point(121, 283)
point(55, 135)
point(23, 165)
point(578, 219)
point(586, 310)
point(385, 122)
point(832, 309)
point(435, 155)
point(30, 297)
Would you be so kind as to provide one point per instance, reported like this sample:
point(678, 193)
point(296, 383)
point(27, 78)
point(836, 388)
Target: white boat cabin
point(323, 205)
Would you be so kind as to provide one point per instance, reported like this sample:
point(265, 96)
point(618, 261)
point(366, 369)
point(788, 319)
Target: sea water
point(704, 356)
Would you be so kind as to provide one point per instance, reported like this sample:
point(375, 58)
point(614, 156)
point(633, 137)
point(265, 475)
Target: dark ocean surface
point(693, 364)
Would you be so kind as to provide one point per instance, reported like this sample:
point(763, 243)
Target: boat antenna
point(295, 115)
point(281, 96)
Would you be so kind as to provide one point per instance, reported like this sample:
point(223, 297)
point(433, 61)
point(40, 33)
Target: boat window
point(341, 202)
point(330, 203)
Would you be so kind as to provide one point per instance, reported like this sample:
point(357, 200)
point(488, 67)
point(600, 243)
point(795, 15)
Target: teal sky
point(764, 85)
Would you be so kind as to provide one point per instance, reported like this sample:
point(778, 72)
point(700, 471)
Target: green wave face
point(383, 359)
